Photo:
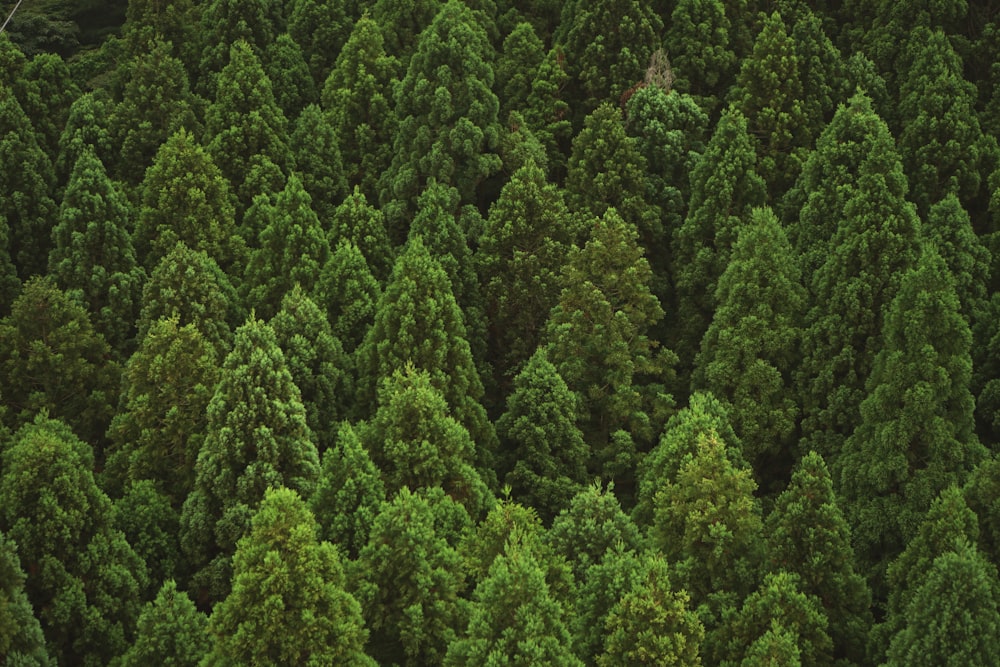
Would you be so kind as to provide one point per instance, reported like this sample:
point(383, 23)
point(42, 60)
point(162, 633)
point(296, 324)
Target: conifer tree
point(85, 579)
point(358, 97)
point(9, 284)
point(547, 461)
point(321, 28)
point(808, 536)
point(965, 255)
point(176, 21)
point(917, 432)
point(361, 223)
point(225, 22)
point(348, 293)
point(316, 147)
point(447, 131)
point(151, 525)
point(749, 353)
point(92, 256)
point(401, 23)
point(288, 604)
point(517, 66)
point(603, 585)
point(778, 647)
point(186, 198)
point(257, 437)
point(981, 494)
point(86, 127)
point(725, 187)
point(412, 582)
point(21, 638)
point(823, 69)
point(514, 618)
point(548, 113)
point(49, 91)
point(52, 360)
point(348, 494)
point(285, 65)
point(698, 40)
point(290, 250)
point(170, 632)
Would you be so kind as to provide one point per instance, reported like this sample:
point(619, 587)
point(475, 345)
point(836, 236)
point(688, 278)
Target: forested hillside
point(598, 332)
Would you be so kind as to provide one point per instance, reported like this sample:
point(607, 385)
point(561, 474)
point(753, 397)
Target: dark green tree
point(349, 294)
point(185, 197)
point(49, 91)
point(348, 494)
point(808, 536)
point(92, 257)
point(725, 187)
point(316, 147)
point(449, 129)
point(51, 359)
point(825, 73)
point(257, 437)
point(170, 632)
point(965, 255)
point(778, 647)
point(176, 21)
point(548, 112)
point(698, 41)
point(361, 223)
point(285, 64)
point(402, 22)
point(84, 578)
point(917, 433)
point(151, 525)
point(21, 638)
point(226, 22)
point(751, 349)
point(412, 579)
point(289, 604)
point(86, 128)
point(517, 67)
point(9, 284)
point(603, 585)
point(358, 97)
point(321, 28)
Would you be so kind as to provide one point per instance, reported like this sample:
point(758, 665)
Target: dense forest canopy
point(599, 332)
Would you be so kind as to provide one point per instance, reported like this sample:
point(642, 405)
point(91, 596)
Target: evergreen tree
point(953, 618)
point(604, 584)
point(517, 66)
point(170, 632)
point(824, 72)
point(84, 578)
point(547, 461)
point(917, 432)
point(51, 359)
point(49, 91)
point(808, 536)
point(257, 438)
point(401, 23)
point(21, 638)
point(778, 647)
point(725, 187)
point(85, 128)
point(321, 28)
point(226, 22)
point(348, 293)
point(285, 65)
point(965, 256)
point(981, 495)
point(186, 198)
point(348, 494)
point(514, 618)
point(548, 113)
point(698, 39)
point(315, 144)
point(176, 21)
point(412, 582)
point(317, 362)
point(358, 97)
point(92, 256)
point(9, 284)
point(150, 524)
point(289, 604)
point(290, 250)
point(751, 348)
point(447, 130)
point(362, 224)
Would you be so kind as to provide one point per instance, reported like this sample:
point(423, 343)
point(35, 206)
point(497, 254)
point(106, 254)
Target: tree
point(290, 250)
point(150, 524)
point(917, 431)
point(965, 256)
point(808, 536)
point(514, 618)
point(170, 631)
point(725, 187)
point(401, 23)
point(652, 624)
point(358, 97)
point(176, 21)
point(603, 585)
point(412, 578)
point(186, 198)
point(51, 355)
point(348, 293)
point(316, 147)
point(225, 22)
point(751, 348)
point(778, 647)
point(285, 64)
point(447, 130)
point(49, 91)
point(517, 66)
point(348, 494)
point(698, 39)
point(257, 438)
point(21, 639)
point(92, 256)
point(86, 127)
point(85, 579)
point(953, 618)
point(321, 28)
point(548, 112)
point(362, 224)
point(289, 604)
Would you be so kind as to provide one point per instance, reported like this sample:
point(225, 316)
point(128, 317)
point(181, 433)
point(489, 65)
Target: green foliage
point(402, 21)
point(92, 256)
point(175, 21)
point(316, 147)
point(285, 65)
point(603, 585)
point(778, 647)
point(517, 66)
point(150, 524)
point(49, 93)
point(965, 255)
point(547, 112)
point(51, 354)
point(21, 639)
point(349, 293)
point(255, 23)
point(289, 604)
point(698, 40)
point(321, 28)
point(170, 632)
point(257, 438)
point(547, 456)
point(86, 128)
point(359, 222)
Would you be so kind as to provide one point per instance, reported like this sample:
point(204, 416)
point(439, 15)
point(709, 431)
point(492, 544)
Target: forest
point(497, 332)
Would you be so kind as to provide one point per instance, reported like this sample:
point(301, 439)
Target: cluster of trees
point(495, 332)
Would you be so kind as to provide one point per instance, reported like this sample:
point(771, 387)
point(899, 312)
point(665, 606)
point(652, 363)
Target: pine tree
point(52, 360)
point(9, 284)
point(401, 23)
point(603, 585)
point(150, 524)
point(49, 92)
point(186, 198)
point(285, 64)
point(548, 113)
point(547, 461)
point(348, 494)
point(357, 221)
point(21, 638)
point(808, 536)
point(652, 624)
point(348, 293)
point(824, 71)
point(85, 579)
point(965, 256)
point(290, 250)
point(316, 147)
point(226, 22)
point(359, 99)
point(321, 28)
point(257, 438)
point(176, 21)
point(514, 618)
point(778, 647)
point(517, 66)
point(447, 131)
point(698, 40)
point(412, 582)
point(980, 494)
point(85, 128)
point(751, 348)
point(92, 256)
point(170, 632)
point(289, 604)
